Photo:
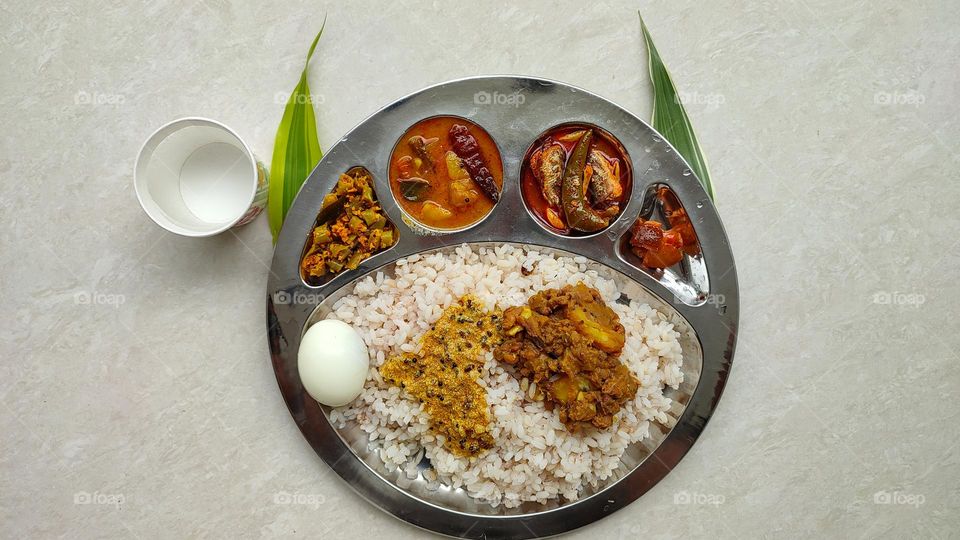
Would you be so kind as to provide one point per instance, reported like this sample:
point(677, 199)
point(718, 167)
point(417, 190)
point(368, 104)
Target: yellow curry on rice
point(443, 375)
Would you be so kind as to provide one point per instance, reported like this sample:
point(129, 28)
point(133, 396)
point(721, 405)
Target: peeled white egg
point(333, 362)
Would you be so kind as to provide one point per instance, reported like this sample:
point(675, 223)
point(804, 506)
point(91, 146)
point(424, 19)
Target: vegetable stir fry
point(351, 227)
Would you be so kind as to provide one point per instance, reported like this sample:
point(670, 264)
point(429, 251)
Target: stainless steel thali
point(701, 297)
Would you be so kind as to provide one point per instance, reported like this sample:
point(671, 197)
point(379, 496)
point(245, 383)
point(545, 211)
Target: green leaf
point(669, 116)
point(296, 149)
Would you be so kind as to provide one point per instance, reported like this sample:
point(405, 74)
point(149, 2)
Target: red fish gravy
point(576, 179)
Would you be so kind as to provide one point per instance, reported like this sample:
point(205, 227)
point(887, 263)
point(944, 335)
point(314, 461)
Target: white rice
point(535, 458)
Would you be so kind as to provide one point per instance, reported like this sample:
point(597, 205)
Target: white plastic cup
point(196, 177)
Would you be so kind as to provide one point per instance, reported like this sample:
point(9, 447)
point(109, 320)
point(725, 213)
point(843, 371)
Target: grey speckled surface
point(135, 366)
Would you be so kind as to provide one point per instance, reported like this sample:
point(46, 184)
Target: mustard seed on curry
point(443, 375)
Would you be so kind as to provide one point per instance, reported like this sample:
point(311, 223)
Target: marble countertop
point(138, 398)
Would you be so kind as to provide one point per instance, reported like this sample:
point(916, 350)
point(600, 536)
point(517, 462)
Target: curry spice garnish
point(443, 375)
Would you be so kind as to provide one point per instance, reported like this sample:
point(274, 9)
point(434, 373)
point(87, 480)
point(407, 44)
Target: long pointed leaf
point(296, 149)
point(669, 116)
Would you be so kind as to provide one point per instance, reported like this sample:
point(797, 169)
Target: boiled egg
point(333, 362)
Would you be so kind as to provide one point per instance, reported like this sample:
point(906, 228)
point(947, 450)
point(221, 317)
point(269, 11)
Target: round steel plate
point(701, 298)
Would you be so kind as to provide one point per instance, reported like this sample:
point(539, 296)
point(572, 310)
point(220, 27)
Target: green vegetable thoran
point(350, 228)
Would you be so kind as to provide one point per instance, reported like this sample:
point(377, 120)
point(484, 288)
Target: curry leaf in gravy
point(413, 188)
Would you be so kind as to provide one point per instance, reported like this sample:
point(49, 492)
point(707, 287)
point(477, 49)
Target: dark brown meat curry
point(568, 342)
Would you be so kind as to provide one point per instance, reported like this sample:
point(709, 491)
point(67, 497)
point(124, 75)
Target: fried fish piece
point(605, 187)
point(548, 169)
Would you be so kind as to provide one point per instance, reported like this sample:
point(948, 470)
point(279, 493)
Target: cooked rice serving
point(535, 458)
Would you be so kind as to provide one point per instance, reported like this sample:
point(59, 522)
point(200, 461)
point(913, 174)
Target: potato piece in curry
point(568, 342)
